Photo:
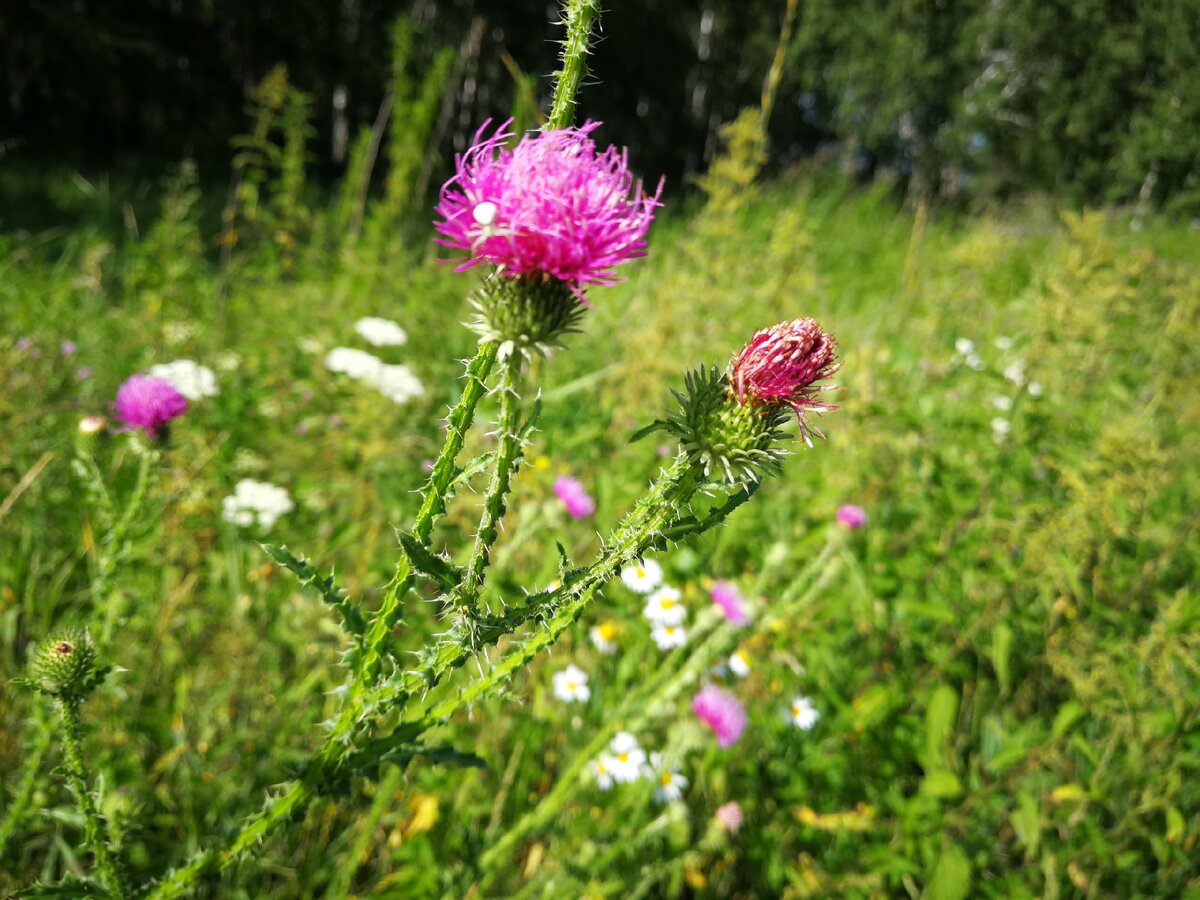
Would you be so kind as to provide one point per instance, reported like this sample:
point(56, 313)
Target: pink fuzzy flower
point(851, 516)
point(733, 605)
point(781, 364)
point(550, 206)
point(723, 712)
point(149, 404)
point(729, 816)
point(578, 501)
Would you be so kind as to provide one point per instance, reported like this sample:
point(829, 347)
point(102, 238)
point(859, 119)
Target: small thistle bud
point(91, 431)
point(780, 367)
point(65, 664)
point(527, 315)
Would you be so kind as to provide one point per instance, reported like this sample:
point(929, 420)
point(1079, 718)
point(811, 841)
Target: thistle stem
point(579, 17)
point(508, 457)
point(95, 832)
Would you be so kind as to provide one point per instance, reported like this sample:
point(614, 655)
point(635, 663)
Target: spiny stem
point(433, 506)
point(579, 17)
point(95, 831)
point(508, 457)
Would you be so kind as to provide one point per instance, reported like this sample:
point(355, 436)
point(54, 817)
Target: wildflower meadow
point(512, 522)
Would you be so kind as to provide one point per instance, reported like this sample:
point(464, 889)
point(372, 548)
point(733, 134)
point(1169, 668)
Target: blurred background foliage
point(1096, 100)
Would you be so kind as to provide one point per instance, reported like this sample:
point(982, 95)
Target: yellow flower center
point(623, 757)
point(641, 573)
point(608, 631)
point(666, 778)
point(668, 603)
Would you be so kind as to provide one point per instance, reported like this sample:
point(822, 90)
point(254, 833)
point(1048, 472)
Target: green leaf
point(1001, 649)
point(1026, 822)
point(446, 574)
point(951, 879)
point(943, 785)
point(1068, 714)
point(334, 596)
point(939, 727)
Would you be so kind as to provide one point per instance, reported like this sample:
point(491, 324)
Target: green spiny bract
point(721, 437)
point(525, 315)
point(65, 664)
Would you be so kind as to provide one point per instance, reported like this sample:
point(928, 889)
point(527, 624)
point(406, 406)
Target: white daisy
point(188, 377)
point(255, 501)
point(571, 685)
point(604, 637)
point(670, 784)
point(669, 636)
point(627, 761)
point(602, 770)
point(803, 714)
point(665, 606)
point(642, 577)
point(380, 332)
point(739, 665)
point(1004, 404)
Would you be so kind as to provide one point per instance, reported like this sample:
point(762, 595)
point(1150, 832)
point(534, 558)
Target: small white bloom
point(1035, 389)
point(669, 636)
point(739, 665)
point(256, 501)
point(1001, 426)
point(1004, 343)
point(601, 769)
point(352, 362)
point(228, 360)
point(310, 345)
point(188, 377)
point(964, 346)
point(642, 577)
point(627, 761)
point(1004, 404)
point(604, 637)
point(665, 606)
point(485, 213)
point(380, 332)
point(670, 784)
point(974, 362)
point(803, 714)
point(571, 685)
point(1015, 371)
point(397, 383)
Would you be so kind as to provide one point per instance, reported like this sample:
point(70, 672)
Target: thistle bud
point(527, 315)
point(90, 432)
point(65, 665)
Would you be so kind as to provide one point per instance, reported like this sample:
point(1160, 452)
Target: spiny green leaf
point(446, 574)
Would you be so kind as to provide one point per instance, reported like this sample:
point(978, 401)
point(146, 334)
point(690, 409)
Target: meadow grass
point(1004, 658)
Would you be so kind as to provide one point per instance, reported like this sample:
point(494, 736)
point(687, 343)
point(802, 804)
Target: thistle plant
point(547, 220)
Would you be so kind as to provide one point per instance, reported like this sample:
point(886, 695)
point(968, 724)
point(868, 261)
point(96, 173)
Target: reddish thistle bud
point(780, 366)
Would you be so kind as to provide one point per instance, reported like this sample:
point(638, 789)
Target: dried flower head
point(723, 712)
point(552, 206)
point(150, 404)
point(781, 365)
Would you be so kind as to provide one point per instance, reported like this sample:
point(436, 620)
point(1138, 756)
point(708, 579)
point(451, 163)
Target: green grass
point(1004, 658)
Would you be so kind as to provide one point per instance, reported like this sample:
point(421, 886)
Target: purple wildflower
point(550, 206)
point(729, 816)
point(83, 373)
point(723, 712)
point(67, 348)
point(851, 516)
point(149, 404)
point(733, 605)
point(24, 344)
point(578, 501)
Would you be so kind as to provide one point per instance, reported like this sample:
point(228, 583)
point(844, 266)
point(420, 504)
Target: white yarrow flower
point(396, 382)
point(642, 577)
point(665, 606)
point(739, 665)
point(1004, 404)
point(1035, 389)
point(964, 346)
point(1004, 343)
point(1001, 426)
point(974, 362)
point(669, 637)
point(352, 362)
point(571, 685)
point(381, 332)
point(256, 502)
point(188, 377)
point(803, 714)
point(1015, 371)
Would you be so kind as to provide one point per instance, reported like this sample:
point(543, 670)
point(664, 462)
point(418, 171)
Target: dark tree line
point(1098, 99)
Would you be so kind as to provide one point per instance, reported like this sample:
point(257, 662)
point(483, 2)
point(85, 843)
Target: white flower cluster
point(256, 502)
point(395, 381)
point(626, 762)
point(188, 377)
point(380, 332)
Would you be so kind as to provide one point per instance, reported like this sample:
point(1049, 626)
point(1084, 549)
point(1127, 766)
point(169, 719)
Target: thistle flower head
point(723, 712)
point(732, 604)
point(64, 664)
point(148, 403)
point(552, 206)
point(781, 365)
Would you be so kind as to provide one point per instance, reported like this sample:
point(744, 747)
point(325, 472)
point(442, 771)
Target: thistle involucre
point(552, 206)
point(64, 664)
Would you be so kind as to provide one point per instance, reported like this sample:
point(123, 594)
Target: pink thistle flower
point(851, 516)
point(729, 816)
point(733, 605)
point(781, 364)
point(149, 404)
point(575, 498)
point(723, 712)
point(551, 206)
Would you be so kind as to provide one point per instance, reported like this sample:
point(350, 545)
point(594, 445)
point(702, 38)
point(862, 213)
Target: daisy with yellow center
point(665, 606)
point(627, 759)
point(643, 576)
point(571, 685)
point(668, 637)
point(803, 714)
point(670, 784)
point(604, 637)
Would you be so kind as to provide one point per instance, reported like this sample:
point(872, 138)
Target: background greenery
point(1005, 657)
